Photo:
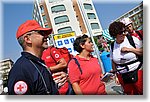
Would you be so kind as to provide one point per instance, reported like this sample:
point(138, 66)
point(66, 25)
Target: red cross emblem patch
point(20, 87)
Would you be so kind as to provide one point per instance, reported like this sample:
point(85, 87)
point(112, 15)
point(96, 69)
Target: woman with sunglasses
point(125, 61)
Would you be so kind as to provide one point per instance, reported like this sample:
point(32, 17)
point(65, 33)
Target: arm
point(114, 69)
point(113, 66)
point(137, 51)
point(139, 47)
point(62, 64)
point(76, 88)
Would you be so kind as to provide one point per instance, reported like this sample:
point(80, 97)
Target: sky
point(16, 12)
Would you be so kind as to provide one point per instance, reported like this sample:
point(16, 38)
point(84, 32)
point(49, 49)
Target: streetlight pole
point(90, 33)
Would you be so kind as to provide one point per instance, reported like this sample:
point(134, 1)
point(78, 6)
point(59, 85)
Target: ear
point(82, 46)
point(27, 39)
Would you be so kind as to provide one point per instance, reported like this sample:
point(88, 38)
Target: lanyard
point(41, 77)
point(45, 67)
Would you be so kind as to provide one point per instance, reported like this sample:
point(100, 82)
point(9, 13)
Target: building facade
point(68, 15)
point(136, 15)
point(5, 66)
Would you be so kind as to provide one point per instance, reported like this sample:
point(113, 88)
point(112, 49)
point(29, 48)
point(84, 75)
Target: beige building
point(67, 16)
point(136, 15)
point(64, 16)
point(5, 66)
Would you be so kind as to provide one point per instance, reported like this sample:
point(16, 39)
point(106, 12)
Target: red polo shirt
point(89, 81)
point(136, 35)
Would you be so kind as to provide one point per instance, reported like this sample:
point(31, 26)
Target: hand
point(125, 49)
point(116, 80)
point(60, 78)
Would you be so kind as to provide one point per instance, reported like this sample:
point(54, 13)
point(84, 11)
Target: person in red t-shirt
point(89, 82)
point(54, 60)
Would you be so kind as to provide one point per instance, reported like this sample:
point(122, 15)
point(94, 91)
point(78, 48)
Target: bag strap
point(112, 46)
point(140, 35)
point(76, 61)
point(131, 41)
point(51, 54)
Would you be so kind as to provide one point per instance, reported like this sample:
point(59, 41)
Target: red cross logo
point(20, 87)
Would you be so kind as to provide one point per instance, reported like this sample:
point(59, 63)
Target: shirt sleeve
point(18, 84)
point(56, 54)
point(73, 72)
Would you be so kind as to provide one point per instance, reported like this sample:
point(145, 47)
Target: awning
point(106, 34)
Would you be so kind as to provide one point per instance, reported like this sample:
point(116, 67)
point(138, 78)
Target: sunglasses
point(122, 32)
point(129, 26)
point(36, 31)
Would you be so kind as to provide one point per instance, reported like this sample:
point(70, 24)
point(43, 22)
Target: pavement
point(113, 89)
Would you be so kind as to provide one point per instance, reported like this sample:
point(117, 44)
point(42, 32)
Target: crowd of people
point(40, 71)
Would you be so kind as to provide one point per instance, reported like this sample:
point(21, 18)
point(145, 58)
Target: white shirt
point(124, 57)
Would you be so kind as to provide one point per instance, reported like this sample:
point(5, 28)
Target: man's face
point(38, 40)
point(129, 28)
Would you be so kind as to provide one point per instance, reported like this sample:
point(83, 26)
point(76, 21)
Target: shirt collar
point(83, 59)
point(31, 57)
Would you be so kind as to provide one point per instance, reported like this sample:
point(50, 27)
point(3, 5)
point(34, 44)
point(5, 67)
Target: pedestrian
point(125, 59)
point(130, 29)
point(29, 74)
point(89, 82)
point(55, 61)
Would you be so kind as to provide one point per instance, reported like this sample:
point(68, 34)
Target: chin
point(92, 50)
point(45, 46)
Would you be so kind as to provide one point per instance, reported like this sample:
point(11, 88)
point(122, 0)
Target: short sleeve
point(56, 54)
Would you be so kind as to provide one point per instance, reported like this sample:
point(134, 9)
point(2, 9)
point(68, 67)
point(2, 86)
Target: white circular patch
point(20, 87)
point(56, 55)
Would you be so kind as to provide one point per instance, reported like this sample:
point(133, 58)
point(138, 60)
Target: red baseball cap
point(30, 25)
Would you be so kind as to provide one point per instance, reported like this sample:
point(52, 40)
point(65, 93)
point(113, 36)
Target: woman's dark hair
point(79, 41)
point(115, 28)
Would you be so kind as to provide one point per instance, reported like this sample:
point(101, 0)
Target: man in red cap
point(29, 75)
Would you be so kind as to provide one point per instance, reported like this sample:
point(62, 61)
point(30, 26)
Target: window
point(46, 26)
point(131, 12)
point(58, 8)
point(95, 26)
point(91, 16)
point(61, 19)
point(44, 19)
point(137, 9)
point(65, 30)
point(42, 9)
point(88, 6)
